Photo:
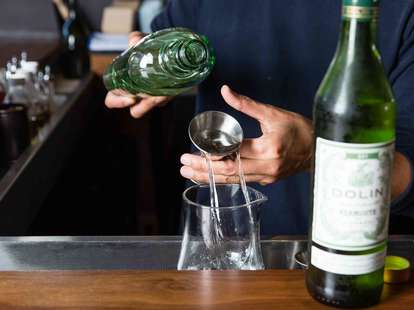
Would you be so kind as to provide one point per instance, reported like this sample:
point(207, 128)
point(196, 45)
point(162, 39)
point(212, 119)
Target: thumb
point(244, 104)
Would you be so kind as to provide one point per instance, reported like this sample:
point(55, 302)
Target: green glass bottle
point(164, 63)
point(354, 121)
point(75, 34)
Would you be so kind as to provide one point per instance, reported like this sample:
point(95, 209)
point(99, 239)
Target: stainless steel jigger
point(215, 133)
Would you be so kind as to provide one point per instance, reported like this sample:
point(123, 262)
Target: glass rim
point(253, 203)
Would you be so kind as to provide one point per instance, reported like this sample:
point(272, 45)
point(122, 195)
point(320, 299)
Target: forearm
point(401, 175)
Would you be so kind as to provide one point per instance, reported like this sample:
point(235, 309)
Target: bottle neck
point(73, 8)
point(359, 30)
point(183, 57)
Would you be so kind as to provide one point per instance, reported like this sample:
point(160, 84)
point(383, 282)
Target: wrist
point(308, 134)
point(402, 175)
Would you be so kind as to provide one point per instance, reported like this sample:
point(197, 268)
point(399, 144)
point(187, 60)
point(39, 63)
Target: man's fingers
point(138, 106)
point(146, 104)
point(229, 167)
point(194, 161)
point(135, 37)
point(220, 166)
point(244, 104)
point(202, 177)
point(114, 101)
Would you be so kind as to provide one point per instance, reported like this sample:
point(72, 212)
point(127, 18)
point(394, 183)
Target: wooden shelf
point(99, 62)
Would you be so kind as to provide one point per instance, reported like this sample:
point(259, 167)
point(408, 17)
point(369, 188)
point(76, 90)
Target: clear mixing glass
point(239, 245)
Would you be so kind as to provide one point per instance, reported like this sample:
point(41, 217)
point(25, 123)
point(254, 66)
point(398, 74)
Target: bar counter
point(137, 273)
point(27, 181)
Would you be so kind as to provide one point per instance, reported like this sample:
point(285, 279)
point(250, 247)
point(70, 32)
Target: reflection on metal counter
point(148, 253)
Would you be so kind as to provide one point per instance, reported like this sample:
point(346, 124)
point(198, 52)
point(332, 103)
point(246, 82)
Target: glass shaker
point(40, 97)
point(21, 91)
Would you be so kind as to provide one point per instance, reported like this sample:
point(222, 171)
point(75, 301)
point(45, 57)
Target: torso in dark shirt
point(277, 52)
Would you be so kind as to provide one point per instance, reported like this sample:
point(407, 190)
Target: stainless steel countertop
point(158, 252)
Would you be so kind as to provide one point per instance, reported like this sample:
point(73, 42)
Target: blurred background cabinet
point(121, 175)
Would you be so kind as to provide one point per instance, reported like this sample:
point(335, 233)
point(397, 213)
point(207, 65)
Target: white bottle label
point(351, 194)
point(347, 264)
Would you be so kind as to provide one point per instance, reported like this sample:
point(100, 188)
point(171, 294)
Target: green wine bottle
point(164, 63)
point(354, 121)
point(75, 34)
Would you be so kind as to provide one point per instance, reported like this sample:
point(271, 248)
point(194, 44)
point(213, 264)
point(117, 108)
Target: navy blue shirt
point(277, 52)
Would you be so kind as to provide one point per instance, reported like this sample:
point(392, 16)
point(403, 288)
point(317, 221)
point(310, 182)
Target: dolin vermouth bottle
point(164, 63)
point(354, 119)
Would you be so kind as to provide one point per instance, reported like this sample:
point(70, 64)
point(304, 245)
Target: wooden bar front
point(269, 289)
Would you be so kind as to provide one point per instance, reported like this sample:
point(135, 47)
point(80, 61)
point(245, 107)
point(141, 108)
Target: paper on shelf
point(104, 42)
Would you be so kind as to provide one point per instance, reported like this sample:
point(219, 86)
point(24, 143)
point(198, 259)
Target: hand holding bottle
point(285, 147)
point(165, 63)
point(138, 106)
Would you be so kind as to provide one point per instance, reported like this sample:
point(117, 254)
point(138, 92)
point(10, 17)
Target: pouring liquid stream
point(214, 225)
point(253, 258)
point(214, 239)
